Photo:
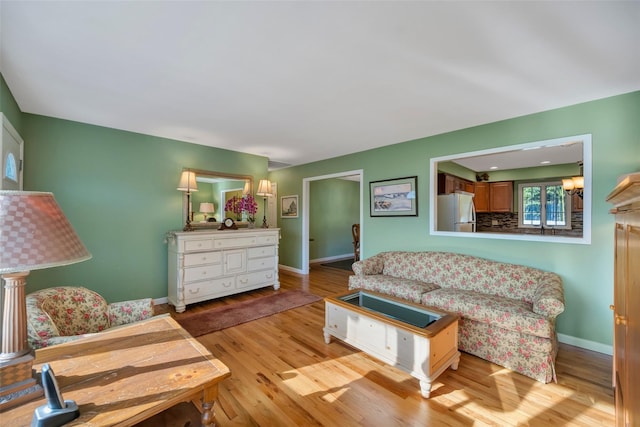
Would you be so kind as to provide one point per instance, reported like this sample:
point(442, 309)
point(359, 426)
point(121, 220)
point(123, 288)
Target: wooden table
point(128, 374)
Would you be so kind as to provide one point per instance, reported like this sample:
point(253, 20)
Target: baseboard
point(163, 300)
point(287, 268)
point(331, 258)
point(586, 344)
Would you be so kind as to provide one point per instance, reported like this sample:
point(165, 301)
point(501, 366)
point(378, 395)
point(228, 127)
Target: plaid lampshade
point(35, 234)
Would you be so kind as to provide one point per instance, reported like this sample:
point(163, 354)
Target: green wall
point(587, 270)
point(335, 207)
point(118, 190)
point(9, 107)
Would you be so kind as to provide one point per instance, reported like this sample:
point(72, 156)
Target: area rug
point(234, 314)
point(343, 264)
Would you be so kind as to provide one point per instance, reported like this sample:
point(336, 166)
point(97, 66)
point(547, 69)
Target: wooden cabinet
point(576, 203)
point(501, 196)
point(481, 198)
point(448, 184)
point(210, 264)
point(626, 300)
point(493, 196)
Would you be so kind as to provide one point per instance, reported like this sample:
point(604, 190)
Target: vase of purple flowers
point(243, 207)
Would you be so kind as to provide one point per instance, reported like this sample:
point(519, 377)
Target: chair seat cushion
point(76, 311)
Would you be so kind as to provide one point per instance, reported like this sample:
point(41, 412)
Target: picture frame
point(394, 197)
point(289, 206)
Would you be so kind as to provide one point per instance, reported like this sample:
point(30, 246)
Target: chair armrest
point(121, 313)
point(548, 299)
point(371, 265)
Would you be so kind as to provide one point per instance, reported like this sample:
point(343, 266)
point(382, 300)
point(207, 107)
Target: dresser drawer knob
point(194, 291)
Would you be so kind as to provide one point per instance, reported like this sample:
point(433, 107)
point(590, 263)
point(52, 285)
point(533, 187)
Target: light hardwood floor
point(283, 374)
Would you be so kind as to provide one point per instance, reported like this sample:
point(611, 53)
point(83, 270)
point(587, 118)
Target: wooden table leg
point(209, 396)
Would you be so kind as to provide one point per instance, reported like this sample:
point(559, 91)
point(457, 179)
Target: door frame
point(305, 211)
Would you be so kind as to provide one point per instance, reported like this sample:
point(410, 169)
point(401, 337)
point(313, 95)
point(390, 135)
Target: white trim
point(304, 209)
point(332, 258)
point(292, 269)
point(163, 300)
point(586, 344)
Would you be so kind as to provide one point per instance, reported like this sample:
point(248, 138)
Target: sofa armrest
point(121, 313)
point(548, 299)
point(371, 265)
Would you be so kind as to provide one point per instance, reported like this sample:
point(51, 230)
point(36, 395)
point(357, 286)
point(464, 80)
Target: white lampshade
point(206, 208)
point(567, 184)
point(35, 234)
point(578, 181)
point(264, 188)
point(188, 181)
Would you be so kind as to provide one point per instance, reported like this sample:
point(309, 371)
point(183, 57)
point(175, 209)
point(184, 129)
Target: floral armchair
point(65, 313)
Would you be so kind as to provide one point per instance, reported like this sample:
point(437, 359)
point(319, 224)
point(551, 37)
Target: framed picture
point(289, 206)
point(394, 197)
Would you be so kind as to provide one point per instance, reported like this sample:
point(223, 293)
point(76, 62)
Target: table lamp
point(188, 184)
point(264, 190)
point(34, 234)
point(206, 208)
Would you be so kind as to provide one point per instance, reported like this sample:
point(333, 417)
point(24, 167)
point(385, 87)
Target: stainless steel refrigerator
point(456, 212)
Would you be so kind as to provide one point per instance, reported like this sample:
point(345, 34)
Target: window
point(544, 204)
point(10, 170)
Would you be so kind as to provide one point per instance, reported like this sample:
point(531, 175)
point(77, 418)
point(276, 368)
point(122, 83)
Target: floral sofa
point(507, 311)
point(65, 313)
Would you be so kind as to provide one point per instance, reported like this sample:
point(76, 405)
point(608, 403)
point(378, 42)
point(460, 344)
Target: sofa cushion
point(506, 313)
point(408, 289)
point(458, 271)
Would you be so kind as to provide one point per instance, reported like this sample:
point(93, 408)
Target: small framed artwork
point(289, 206)
point(394, 197)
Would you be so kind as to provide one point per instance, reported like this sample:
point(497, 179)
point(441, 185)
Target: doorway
point(355, 175)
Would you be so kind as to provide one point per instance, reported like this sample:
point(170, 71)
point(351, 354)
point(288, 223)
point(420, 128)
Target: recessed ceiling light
point(545, 162)
point(493, 167)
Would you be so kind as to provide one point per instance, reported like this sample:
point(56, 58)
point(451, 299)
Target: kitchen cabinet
point(493, 196)
point(448, 184)
point(481, 198)
point(576, 203)
point(626, 300)
point(501, 196)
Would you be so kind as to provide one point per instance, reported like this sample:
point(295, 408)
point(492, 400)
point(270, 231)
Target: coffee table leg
point(327, 337)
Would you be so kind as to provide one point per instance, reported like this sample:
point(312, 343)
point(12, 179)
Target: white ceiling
point(303, 81)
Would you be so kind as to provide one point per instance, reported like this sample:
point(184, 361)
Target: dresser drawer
point(236, 242)
point(198, 245)
point(193, 274)
point(261, 264)
point(253, 279)
point(261, 251)
point(202, 258)
point(267, 240)
point(194, 292)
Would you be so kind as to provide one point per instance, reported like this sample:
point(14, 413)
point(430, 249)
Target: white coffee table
point(420, 340)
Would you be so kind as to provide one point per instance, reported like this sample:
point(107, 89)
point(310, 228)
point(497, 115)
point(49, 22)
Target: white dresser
point(210, 264)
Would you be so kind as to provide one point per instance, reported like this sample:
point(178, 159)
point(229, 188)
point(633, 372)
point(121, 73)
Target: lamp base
point(264, 223)
point(18, 381)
